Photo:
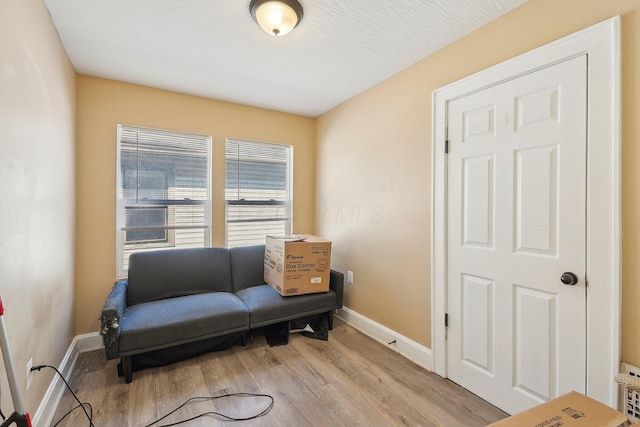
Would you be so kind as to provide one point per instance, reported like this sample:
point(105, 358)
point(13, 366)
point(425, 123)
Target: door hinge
point(446, 139)
point(446, 320)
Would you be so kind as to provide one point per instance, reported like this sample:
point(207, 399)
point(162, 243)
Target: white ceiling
point(214, 49)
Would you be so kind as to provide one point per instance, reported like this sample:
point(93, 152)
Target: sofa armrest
point(112, 314)
point(336, 282)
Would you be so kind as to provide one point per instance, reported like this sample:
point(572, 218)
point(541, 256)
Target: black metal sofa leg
point(331, 320)
point(125, 368)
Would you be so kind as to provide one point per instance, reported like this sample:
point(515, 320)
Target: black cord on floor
point(80, 404)
point(193, 399)
point(73, 409)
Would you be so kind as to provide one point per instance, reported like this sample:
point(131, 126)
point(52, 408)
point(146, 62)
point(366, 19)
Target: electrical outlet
point(29, 373)
point(350, 276)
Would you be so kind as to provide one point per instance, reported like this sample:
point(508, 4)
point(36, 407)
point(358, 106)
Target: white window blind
point(258, 191)
point(163, 194)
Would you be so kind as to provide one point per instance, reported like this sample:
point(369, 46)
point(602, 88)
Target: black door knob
point(569, 278)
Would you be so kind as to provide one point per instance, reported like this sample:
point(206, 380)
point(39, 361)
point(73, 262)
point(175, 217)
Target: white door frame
point(601, 44)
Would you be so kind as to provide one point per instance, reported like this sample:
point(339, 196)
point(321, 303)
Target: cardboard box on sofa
point(572, 409)
point(296, 265)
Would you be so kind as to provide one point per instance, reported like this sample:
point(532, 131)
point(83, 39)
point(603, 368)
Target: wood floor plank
point(273, 378)
point(330, 404)
point(350, 380)
point(366, 382)
point(438, 395)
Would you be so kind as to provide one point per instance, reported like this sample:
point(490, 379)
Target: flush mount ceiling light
point(276, 17)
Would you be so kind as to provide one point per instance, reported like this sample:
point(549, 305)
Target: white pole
point(8, 364)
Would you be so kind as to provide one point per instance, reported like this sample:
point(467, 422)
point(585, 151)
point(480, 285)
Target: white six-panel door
point(517, 221)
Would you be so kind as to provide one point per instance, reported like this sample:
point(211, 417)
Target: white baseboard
point(89, 342)
point(49, 404)
point(408, 348)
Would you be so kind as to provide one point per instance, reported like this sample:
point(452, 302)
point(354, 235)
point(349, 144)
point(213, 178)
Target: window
point(258, 191)
point(163, 194)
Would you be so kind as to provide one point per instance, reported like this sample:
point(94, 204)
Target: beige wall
point(374, 156)
point(37, 113)
point(102, 104)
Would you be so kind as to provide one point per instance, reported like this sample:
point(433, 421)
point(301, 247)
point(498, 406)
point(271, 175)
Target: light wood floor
point(350, 380)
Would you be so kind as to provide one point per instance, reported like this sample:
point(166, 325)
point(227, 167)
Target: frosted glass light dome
point(276, 17)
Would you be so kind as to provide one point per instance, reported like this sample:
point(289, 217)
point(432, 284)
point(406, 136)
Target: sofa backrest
point(247, 266)
point(161, 274)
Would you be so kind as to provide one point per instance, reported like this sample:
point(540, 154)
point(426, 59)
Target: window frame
point(123, 203)
point(288, 203)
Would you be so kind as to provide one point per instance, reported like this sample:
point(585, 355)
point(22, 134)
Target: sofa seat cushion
point(173, 321)
point(267, 306)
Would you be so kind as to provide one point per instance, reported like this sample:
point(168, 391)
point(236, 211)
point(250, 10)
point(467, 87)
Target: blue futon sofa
point(176, 297)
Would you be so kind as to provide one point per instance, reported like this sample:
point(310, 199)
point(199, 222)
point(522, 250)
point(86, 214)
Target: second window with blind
point(258, 191)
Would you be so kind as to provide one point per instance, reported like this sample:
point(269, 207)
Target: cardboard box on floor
point(296, 265)
point(572, 409)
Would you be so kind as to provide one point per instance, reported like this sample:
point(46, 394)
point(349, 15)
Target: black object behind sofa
point(176, 297)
